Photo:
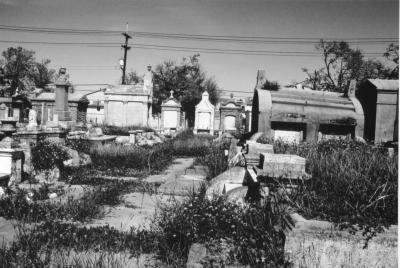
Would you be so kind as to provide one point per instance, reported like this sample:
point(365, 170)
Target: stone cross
point(172, 92)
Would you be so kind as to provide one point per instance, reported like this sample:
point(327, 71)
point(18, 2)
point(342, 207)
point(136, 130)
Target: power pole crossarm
point(126, 48)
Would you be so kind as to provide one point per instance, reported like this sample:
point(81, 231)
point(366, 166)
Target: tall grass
point(254, 233)
point(115, 156)
point(353, 184)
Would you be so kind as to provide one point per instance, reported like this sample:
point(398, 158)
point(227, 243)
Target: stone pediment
point(171, 101)
point(205, 104)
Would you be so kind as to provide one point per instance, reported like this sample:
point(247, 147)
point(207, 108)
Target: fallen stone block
point(282, 166)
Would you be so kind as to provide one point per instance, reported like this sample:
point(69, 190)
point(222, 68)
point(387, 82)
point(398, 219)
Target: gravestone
point(204, 115)
point(282, 166)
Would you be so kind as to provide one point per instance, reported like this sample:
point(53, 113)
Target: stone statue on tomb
point(32, 119)
point(148, 80)
point(62, 77)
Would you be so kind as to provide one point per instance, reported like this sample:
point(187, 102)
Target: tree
point(133, 78)
point(187, 80)
point(342, 64)
point(42, 75)
point(271, 85)
point(392, 54)
point(23, 72)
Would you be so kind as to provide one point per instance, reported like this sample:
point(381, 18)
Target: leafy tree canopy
point(271, 85)
point(188, 81)
point(343, 63)
point(23, 72)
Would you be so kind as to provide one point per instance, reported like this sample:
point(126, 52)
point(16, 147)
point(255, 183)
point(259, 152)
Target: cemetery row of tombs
point(292, 115)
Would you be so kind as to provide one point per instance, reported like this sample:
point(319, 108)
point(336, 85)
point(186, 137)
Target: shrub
point(254, 232)
point(47, 155)
point(80, 145)
point(215, 160)
point(196, 146)
point(265, 139)
point(34, 246)
point(18, 206)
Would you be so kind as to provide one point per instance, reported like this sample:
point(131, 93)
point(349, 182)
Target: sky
point(339, 19)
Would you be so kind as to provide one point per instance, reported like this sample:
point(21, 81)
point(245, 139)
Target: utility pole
point(126, 48)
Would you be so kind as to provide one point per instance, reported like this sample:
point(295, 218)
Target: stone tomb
point(204, 116)
point(230, 113)
point(282, 166)
point(11, 164)
point(171, 113)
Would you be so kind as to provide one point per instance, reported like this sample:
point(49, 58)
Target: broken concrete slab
point(234, 175)
point(237, 195)
point(282, 166)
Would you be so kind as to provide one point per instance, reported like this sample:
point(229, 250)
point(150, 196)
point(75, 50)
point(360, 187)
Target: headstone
point(282, 166)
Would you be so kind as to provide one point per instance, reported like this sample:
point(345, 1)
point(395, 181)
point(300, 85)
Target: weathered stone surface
point(282, 166)
point(256, 148)
point(314, 243)
point(77, 159)
point(95, 132)
point(122, 139)
point(237, 194)
point(233, 175)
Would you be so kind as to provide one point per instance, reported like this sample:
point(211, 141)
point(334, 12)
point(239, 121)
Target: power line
point(201, 37)
point(186, 49)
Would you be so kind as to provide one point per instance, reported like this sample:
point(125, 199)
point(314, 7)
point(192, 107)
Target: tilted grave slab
point(254, 151)
point(282, 166)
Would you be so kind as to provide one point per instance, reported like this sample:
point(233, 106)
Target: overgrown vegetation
point(116, 156)
point(122, 131)
point(244, 230)
point(48, 154)
point(353, 184)
point(18, 206)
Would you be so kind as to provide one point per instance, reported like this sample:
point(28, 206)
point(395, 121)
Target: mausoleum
point(204, 115)
point(305, 114)
point(171, 116)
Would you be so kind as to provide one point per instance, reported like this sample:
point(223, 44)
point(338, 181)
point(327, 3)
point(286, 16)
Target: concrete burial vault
point(310, 113)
